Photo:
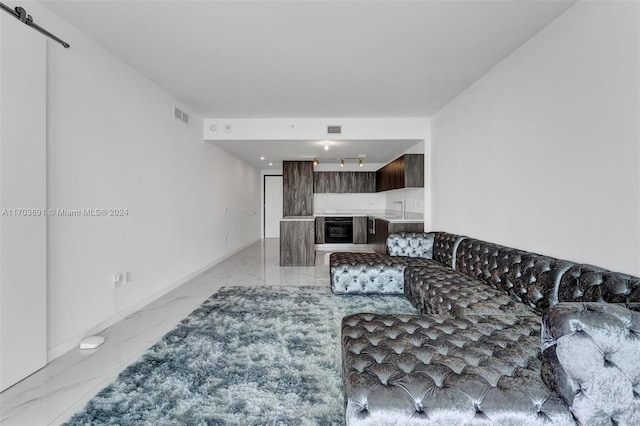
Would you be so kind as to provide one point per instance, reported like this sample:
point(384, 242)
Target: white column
point(23, 339)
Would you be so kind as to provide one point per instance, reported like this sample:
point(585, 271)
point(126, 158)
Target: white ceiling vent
point(181, 115)
point(334, 130)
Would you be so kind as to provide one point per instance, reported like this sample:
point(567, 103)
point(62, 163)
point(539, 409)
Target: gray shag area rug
point(246, 356)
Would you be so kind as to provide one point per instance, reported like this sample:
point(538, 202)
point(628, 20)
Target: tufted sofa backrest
point(444, 247)
point(411, 244)
point(528, 277)
point(533, 279)
point(587, 283)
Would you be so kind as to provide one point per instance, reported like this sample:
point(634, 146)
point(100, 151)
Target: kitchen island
point(297, 238)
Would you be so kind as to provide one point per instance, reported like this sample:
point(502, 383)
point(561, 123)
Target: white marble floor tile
point(53, 394)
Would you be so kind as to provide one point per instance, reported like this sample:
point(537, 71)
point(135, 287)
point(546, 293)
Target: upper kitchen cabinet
point(404, 172)
point(297, 183)
point(344, 182)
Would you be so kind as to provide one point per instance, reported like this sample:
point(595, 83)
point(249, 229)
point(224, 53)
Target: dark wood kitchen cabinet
point(403, 172)
point(297, 183)
point(320, 230)
point(344, 182)
point(360, 230)
point(378, 240)
point(296, 242)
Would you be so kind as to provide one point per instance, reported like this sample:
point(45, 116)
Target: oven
point(338, 230)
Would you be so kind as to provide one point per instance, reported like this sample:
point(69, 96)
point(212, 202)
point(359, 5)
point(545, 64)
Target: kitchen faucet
point(401, 202)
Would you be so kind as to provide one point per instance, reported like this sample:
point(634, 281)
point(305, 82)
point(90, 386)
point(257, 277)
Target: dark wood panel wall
point(297, 183)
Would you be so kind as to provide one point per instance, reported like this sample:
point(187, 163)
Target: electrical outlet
point(127, 277)
point(117, 279)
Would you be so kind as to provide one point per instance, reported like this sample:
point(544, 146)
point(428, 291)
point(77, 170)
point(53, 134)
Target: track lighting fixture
point(341, 161)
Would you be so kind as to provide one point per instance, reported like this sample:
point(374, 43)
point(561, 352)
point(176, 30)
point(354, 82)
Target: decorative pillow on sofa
point(411, 244)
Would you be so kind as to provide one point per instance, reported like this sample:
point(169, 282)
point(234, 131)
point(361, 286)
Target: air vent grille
point(334, 130)
point(181, 115)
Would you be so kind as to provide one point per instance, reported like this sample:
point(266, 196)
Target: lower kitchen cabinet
point(320, 230)
point(360, 230)
point(297, 242)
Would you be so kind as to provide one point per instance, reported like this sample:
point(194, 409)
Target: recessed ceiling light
point(271, 164)
point(262, 158)
point(326, 147)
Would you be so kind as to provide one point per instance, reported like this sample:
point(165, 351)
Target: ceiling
point(372, 151)
point(311, 59)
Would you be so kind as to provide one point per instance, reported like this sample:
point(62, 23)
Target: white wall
point(542, 153)
point(315, 128)
point(113, 143)
point(23, 196)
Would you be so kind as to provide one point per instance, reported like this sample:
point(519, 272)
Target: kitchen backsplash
point(380, 201)
point(348, 202)
point(413, 199)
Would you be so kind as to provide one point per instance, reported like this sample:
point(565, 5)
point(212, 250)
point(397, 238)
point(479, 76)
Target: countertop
point(392, 216)
point(297, 218)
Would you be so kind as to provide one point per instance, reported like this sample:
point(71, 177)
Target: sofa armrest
point(591, 358)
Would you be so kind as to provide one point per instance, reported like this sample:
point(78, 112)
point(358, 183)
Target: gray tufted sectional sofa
point(504, 337)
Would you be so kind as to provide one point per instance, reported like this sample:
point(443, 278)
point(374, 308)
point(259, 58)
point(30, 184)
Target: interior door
point(272, 206)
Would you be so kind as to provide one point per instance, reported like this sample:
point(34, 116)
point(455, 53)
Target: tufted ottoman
point(441, 370)
point(367, 273)
point(374, 273)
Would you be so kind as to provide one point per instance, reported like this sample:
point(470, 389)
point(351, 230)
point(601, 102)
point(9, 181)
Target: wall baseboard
point(73, 342)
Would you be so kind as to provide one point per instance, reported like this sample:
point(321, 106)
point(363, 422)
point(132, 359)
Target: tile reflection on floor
point(56, 392)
